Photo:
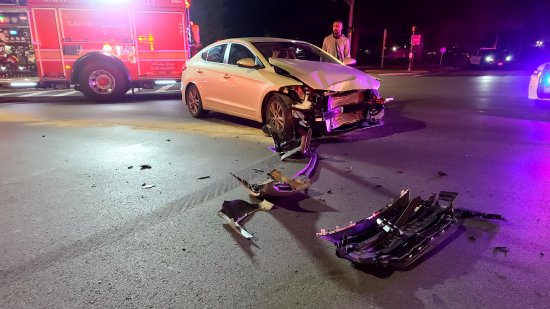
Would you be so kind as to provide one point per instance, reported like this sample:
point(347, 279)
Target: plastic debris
point(204, 177)
point(398, 235)
point(278, 184)
point(145, 167)
point(235, 212)
point(146, 186)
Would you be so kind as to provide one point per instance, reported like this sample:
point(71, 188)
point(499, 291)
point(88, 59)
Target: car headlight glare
point(509, 58)
point(489, 59)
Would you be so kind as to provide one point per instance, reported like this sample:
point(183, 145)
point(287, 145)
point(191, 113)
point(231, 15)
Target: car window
point(216, 53)
point(238, 52)
point(293, 50)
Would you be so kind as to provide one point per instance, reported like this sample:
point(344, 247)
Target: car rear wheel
point(278, 116)
point(103, 82)
point(194, 102)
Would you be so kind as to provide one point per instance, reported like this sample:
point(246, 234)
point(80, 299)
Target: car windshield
point(293, 50)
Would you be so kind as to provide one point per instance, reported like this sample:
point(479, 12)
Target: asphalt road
point(77, 229)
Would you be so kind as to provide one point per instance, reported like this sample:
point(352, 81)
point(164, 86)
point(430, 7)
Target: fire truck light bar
point(23, 84)
point(165, 82)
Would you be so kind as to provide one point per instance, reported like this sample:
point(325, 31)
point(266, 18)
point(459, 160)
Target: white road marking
point(11, 93)
point(66, 93)
point(163, 88)
point(34, 94)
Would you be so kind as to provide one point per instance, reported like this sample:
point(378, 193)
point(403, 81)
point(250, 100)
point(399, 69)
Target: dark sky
point(467, 23)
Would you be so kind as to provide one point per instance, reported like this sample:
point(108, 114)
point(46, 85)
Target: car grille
point(347, 118)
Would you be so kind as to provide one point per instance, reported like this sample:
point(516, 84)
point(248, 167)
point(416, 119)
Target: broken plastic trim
point(235, 212)
point(278, 185)
point(401, 233)
point(397, 235)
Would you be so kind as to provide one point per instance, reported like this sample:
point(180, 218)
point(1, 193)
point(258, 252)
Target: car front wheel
point(194, 102)
point(278, 116)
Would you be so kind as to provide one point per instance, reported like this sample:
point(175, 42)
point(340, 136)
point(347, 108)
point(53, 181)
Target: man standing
point(337, 44)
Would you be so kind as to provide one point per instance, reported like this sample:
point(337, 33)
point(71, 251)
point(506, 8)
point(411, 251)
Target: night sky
point(465, 23)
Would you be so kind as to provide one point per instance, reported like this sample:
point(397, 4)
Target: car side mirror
point(349, 61)
point(247, 63)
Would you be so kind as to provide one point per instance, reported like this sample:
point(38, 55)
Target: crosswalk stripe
point(66, 93)
point(12, 93)
point(164, 88)
point(34, 94)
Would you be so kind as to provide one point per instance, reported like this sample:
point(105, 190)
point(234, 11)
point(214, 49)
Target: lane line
point(66, 93)
point(37, 93)
point(164, 88)
point(11, 93)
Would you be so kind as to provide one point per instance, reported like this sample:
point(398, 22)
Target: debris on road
point(259, 170)
point(43, 135)
point(471, 238)
point(235, 212)
point(203, 177)
point(130, 167)
point(501, 249)
point(93, 185)
point(468, 213)
point(145, 167)
point(441, 174)
point(278, 184)
point(146, 186)
point(398, 235)
point(168, 140)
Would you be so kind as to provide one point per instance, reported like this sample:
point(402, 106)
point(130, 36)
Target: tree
point(210, 16)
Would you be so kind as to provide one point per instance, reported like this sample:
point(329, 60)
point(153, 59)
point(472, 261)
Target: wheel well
point(97, 57)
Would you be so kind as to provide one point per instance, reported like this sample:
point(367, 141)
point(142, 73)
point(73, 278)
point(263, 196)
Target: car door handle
point(199, 71)
point(226, 76)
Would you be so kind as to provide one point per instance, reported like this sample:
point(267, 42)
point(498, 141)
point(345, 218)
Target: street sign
point(415, 39)
point(443, 50)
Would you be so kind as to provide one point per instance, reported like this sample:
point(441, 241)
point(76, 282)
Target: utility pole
point(384, 48)
point(351, 4)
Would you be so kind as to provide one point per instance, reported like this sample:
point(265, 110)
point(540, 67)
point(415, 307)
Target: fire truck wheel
point(103, 82)
point(194, 102)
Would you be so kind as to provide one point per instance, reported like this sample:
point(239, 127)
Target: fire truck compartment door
point(161, 39)
point(48, 49)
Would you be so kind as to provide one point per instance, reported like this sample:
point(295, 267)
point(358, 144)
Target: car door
point(475, 59)
point(209, 71)
point(243, 87)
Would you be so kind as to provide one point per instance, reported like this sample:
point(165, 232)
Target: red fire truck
point(106, 47)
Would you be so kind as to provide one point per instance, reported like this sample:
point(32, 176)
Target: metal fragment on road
point(204, 177)
point(146, 186)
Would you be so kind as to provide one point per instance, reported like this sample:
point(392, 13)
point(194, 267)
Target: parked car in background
point(492, 58)
point(539, 85)
point(280, 83)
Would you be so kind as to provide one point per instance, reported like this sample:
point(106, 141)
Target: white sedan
point(539, 86)
point(282, 84)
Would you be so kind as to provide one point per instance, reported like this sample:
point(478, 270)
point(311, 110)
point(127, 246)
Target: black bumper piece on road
point(399, 234)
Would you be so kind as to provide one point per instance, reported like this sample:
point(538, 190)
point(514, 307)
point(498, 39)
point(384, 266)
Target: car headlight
point(508, 58)
point(489, 59)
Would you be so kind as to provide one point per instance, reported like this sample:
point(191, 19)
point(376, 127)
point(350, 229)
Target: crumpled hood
point(326, 76)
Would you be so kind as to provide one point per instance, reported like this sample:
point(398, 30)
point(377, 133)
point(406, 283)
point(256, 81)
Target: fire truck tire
point(194, 102)
point(103, 82)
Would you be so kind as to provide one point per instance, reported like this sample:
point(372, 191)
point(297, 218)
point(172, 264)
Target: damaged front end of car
point(335, 105)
